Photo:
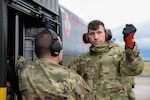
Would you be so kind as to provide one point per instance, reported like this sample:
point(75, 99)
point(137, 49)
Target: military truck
point(21, 20)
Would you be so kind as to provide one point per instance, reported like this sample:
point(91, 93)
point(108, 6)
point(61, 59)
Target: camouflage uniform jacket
point(46, 80)
point(103, 69)
point(129, 83)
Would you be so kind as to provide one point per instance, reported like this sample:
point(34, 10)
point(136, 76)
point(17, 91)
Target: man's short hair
point(43, 41)
point(94, 25)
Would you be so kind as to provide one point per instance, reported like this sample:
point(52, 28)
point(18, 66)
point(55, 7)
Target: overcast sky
point(115, 14)
point(111, 12)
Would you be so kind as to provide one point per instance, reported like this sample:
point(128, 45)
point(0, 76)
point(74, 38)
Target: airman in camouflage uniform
point(45, 79)
point(106, 63)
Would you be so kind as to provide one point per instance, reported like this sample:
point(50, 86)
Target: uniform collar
point(48, 62)
point(99, 50)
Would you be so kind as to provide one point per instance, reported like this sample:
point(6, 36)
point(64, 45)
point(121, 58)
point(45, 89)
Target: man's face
point(97, 37)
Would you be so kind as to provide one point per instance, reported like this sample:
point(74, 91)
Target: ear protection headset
point(108, 36)
point(55, 46)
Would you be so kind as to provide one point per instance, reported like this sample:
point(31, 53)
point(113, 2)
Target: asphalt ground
point(142, 87)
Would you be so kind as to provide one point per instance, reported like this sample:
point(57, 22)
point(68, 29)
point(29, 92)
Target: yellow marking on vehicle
point(2, 93)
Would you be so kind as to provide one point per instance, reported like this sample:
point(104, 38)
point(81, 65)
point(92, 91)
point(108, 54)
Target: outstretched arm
point(132, 61)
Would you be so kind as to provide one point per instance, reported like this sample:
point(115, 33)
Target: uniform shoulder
point(23, 62)
point(115, 48)
point(84, 54)
point(114, 44)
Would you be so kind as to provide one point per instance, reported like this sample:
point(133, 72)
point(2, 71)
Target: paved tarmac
point(142, 88)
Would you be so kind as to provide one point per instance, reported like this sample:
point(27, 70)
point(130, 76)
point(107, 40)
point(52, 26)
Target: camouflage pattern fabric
point(129, 83)
point(46, 80)
point(104, 68)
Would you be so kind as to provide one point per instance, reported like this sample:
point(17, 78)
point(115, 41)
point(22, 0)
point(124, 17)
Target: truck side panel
point(72, 27)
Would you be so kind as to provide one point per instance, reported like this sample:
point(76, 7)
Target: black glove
point(128, 33)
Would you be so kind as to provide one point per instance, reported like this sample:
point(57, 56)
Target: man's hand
point(128, 33)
